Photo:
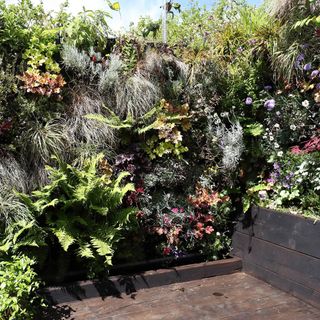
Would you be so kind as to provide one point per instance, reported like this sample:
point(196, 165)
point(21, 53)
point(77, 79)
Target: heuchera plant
point(191, 228)
point(45, 84)
point(169, 124)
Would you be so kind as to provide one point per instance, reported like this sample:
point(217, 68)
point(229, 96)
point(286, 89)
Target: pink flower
point(200, 226)
point(296, 150)
point(208, 218)
point(175, 210)
point(159, 231)
point(198, 234)
point(166, 251)
point(166, 219)
point(181, 210)
point(209, 230)
point(140, 190)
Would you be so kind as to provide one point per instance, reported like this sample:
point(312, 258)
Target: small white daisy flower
point(280, 154)
point(305, 103)
point(293, 127)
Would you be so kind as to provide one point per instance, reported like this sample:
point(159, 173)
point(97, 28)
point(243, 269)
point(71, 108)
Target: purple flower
point(271, 180)
point(270, 104)
point(248, 101)
point(299, 59)
point(314, 73)
point(252, 42)
point(276, 166)
point(240, 49)
point(318, 86)
point(267, 88)
point(307, 67)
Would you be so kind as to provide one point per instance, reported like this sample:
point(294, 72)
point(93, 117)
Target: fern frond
point(114, 122)
point(64, 238)
point(85, 251)
point(122, 216)
point(103, 248)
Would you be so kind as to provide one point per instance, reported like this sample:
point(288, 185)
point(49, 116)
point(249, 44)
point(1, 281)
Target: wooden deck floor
point(232, 297)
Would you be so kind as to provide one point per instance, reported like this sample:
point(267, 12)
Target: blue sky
point(131, 10)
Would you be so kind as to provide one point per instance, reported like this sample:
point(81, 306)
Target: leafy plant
point(167, 123)
point(81, 209)
point(42, 84)
point(88, 29)
point(195, 227)
point(292, 183)
point(42, 140)
point(19, 287)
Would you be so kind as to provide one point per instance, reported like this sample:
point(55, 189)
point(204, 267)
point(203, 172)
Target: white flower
point(293, 127)
point(280, 154)
point(218, 234)
point(277, 125)
point(271, 138)
point(276, 146)
point(305, 103)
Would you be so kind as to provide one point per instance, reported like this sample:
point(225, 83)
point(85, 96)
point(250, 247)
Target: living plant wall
point(118, 149)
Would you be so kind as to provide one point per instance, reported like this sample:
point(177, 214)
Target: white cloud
point(131, 10)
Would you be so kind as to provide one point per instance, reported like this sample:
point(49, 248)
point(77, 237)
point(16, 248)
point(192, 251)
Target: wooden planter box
point(281, 249)
point(128, 284)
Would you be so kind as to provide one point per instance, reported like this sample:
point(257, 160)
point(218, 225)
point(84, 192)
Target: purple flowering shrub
point(293, 120)
point(292, 182)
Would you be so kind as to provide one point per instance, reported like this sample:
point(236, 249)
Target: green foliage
point(18, 22)
point(113, 121)
point(27, 29)
point(18, 289)
point(294, 184)
point(8, 87)
point(82, 209)
point(21, 235)
point(168, 121)
point(254, 129)
point(88, 29)
point(42, 140)
point(41, 50)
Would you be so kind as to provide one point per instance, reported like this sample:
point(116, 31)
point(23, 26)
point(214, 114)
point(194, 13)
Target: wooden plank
point(292, 265)
point(116, 285)
point(296, 289)
point(290, 231)
point(231, 297)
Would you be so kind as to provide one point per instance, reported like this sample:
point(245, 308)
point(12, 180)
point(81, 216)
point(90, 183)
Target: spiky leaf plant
point(137, 96)
point(42, 140)
point(112, 75)
point(86, 135)
point(12, 178)
point(11, 208)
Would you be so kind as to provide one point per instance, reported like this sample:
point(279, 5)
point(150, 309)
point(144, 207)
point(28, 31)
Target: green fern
point(82, 208)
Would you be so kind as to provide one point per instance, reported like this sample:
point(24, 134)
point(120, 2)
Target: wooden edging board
point(117, 285)
point(281, 249)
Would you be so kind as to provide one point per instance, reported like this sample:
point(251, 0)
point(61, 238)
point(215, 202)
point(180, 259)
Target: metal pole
point(164, 22)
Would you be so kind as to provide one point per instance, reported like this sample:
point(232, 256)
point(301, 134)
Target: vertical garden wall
point(119, 148)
